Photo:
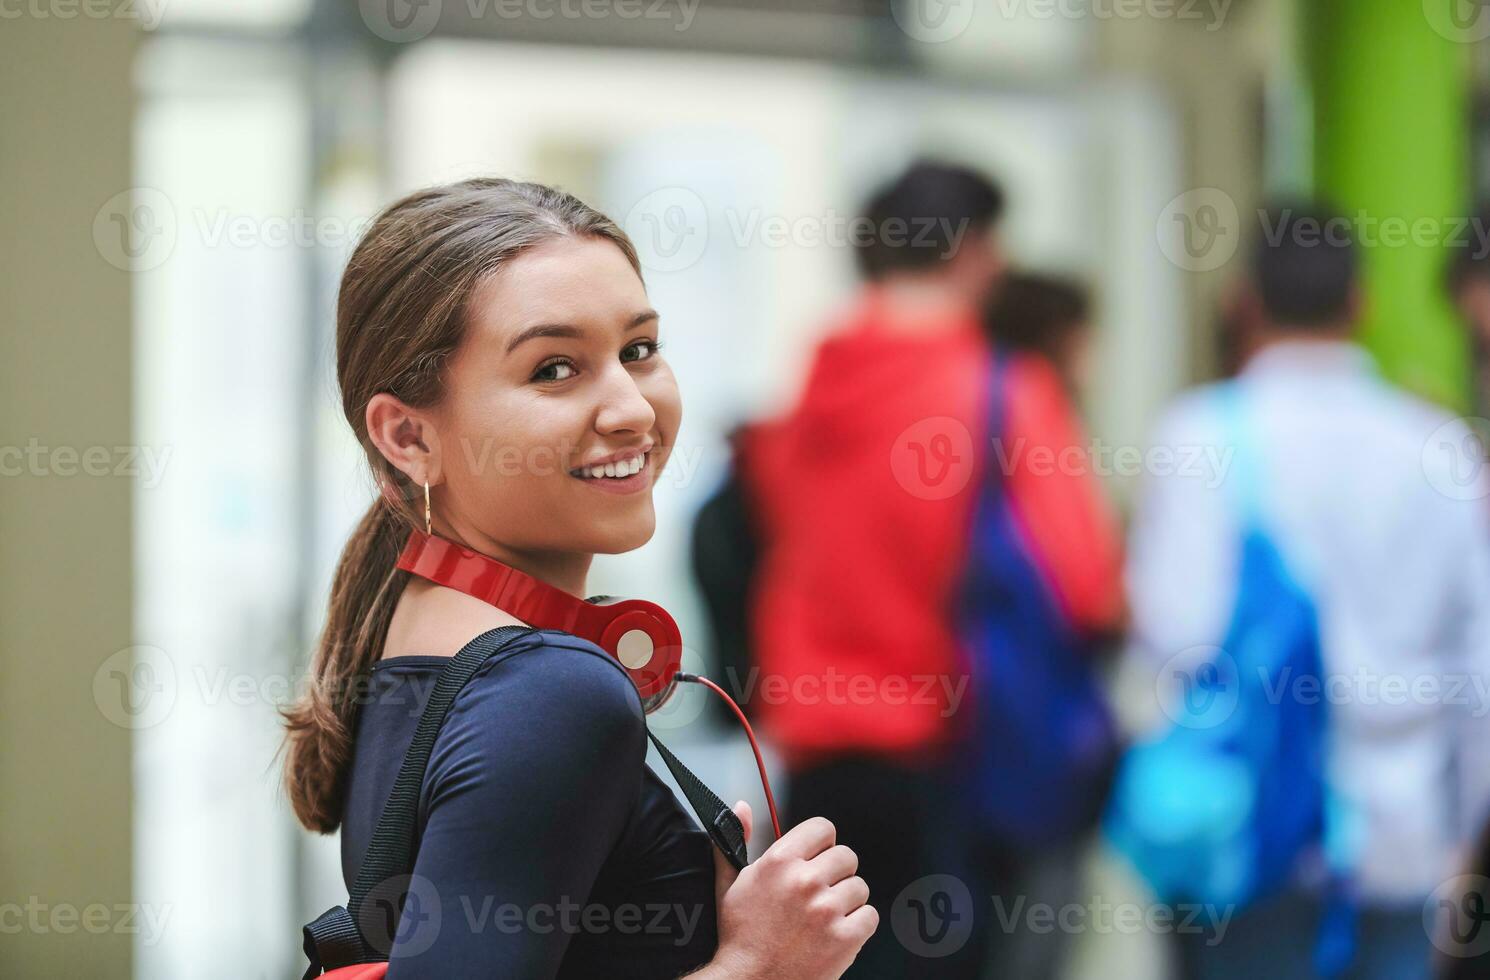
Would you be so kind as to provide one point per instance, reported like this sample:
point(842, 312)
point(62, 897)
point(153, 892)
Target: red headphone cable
point(749, 733)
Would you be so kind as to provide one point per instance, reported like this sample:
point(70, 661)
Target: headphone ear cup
point(661, 656)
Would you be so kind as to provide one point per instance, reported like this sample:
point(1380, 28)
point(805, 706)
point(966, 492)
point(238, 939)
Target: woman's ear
point(406, 437)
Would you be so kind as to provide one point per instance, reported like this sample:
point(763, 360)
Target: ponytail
point(319, 727)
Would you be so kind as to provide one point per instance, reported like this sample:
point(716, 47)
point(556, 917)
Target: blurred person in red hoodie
point(863, 497)
point(859, 674)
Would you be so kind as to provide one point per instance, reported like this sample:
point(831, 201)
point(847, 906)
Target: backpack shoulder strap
point(718, 820)
point(996, 413)
point(390, 852)
point(336, 938)
point(1246, 479)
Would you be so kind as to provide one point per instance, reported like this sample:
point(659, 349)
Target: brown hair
point(400, 314)
point(1037, 314)
point(1030, 312)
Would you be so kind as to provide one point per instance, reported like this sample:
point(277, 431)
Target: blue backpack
point(1042, 745)
point(1223, 805)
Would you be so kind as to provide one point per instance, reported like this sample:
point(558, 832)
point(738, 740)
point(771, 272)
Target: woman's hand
point(798, 911)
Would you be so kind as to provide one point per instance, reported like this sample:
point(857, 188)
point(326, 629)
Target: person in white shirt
point(1380, 503)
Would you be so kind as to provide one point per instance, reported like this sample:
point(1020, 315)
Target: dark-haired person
point(1071, 550)
point(864, 492)
point(1394, 555)
point(493, 313)
point(1468, 280)
point(1046, 317)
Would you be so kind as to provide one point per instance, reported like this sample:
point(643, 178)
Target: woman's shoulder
point(432, 620)
point(546, 712)
point(556, 682)
point(528, 669)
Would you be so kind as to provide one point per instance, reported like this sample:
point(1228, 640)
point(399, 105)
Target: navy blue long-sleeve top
point(547, 846)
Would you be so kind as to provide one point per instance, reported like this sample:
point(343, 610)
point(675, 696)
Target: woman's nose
point(623, 406)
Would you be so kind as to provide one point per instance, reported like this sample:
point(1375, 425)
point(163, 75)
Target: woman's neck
point(564, 570)
point(919, 305)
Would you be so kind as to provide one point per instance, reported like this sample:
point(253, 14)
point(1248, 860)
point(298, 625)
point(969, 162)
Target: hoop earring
point(426, 508)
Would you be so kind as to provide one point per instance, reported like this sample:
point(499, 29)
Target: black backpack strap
point(719, 820)
point(339, 937)
point(723, 827)
point(390, 852)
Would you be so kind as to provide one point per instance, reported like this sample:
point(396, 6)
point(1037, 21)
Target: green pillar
point(1390, 85)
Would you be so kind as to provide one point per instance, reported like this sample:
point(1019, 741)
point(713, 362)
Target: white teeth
point(618, 470)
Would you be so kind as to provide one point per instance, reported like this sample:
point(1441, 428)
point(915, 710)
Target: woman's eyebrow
point(570, 330)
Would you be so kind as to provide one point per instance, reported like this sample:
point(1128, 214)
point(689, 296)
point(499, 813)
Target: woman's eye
point(547, 372)
point(544, 372)
point(651, 346)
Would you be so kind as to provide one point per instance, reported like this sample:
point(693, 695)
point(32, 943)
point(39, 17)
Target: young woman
point(495, 345)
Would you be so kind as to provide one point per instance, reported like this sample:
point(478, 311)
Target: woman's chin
point(624, 534)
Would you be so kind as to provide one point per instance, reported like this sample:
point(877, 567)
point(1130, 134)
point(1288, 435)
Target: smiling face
point(559, 368)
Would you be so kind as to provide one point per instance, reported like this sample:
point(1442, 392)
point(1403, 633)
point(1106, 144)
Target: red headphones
point(639, 634)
